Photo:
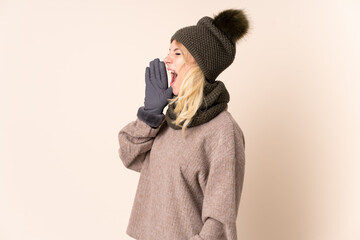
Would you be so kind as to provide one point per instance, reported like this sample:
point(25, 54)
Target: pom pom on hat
point(233, 23)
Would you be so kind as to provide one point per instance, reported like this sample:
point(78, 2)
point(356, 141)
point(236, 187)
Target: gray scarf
point(214, 102)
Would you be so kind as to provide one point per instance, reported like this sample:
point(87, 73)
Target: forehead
point(174, 45)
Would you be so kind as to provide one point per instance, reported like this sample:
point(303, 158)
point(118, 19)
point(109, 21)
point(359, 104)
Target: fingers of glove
point(147, 75)
point(149, 84)
point(157, 69)
point(152, 71)
point(163, 76)
point(156, 80)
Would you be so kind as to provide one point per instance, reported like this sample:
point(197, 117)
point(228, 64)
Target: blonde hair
point(190, 97)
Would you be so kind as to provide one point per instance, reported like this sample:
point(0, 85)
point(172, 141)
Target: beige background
point(72, 75)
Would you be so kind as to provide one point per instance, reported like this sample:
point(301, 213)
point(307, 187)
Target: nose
point(167, 59)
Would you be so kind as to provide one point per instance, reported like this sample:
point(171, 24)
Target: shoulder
point(225, 142)
point(223, 133)
point(224, 124)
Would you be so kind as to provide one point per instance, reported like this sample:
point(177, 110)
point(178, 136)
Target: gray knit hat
point(212, 41)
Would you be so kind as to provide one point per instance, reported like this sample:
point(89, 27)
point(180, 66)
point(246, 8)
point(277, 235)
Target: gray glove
point(157, 94)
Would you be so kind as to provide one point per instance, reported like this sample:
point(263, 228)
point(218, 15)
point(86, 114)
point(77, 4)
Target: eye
point(177, 53)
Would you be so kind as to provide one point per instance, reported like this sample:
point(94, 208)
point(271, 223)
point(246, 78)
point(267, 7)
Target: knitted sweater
point(189, 189)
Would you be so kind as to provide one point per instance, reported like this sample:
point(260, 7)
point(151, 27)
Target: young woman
point(192, 158)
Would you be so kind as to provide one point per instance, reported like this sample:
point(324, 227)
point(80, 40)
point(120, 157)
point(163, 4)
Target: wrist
point(151, 118)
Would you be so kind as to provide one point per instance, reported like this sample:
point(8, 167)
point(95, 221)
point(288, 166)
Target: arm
point(137, 137)
point(223, 188)
point(135, 141)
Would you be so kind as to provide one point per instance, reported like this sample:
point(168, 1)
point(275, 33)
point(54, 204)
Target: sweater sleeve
point(223, 187)
point(135, 141)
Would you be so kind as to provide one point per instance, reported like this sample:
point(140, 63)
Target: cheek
point(179, 81)
point(179, 63)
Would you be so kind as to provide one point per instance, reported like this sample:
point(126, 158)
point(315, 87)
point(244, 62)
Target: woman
point(191, 180)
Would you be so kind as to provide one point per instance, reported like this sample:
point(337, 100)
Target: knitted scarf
point(214, 102)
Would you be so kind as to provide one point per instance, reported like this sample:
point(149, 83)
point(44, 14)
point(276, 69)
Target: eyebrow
point(174, 49)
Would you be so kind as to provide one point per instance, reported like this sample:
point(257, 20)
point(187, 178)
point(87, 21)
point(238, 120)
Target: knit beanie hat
point(212, 41)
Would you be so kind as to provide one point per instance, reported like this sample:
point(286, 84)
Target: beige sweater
point(189, 189)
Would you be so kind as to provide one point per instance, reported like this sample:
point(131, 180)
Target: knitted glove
point(157, 94)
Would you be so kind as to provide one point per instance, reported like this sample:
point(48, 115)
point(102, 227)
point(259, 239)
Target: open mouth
point(173, 77)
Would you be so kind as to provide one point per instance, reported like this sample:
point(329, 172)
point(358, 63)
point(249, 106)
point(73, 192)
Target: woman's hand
point(157, 94)
point(157, 91)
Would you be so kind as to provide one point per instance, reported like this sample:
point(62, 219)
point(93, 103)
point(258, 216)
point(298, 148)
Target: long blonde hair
point(190, 97)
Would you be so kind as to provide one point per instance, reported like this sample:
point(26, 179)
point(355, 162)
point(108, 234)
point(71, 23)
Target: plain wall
point(72, 75)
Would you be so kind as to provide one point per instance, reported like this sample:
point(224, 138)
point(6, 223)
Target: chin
point(175, 92)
